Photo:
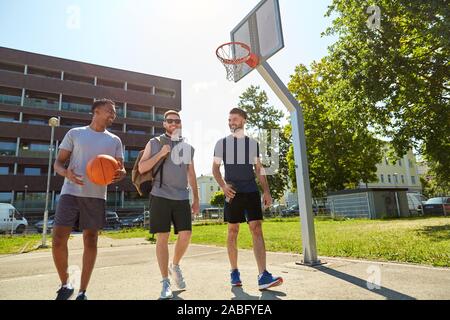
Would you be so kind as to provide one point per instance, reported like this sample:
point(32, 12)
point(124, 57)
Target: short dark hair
point(171, 112)
point(240, 112)
point(101, 102)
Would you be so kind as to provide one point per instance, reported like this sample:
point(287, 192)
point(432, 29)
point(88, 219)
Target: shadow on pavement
point(382, 291)
point(271, 295)
point(176, 295)
point(240, 294)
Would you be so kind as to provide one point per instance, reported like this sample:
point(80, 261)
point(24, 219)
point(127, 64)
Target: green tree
point(341, 149)
point(402, 70)
point(263, 116)
point(218, 199)
point(433, 185)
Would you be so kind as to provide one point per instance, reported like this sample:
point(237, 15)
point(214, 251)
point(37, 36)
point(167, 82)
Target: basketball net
point(233, 55)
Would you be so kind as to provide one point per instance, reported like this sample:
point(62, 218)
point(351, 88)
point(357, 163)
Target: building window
point(37, 121)
point(410, 163)
point(5, 197)
point(4, 170)
point(400, 162)
point(382, 178)
point(403, 179)
point(386, 161)
point(395, 178)
point(413, 179)
point(7, 148)
point(131, 155)
point(212, 188)
point(5, 118)
point(32, 171)
point(389, 178)
point(218, 188)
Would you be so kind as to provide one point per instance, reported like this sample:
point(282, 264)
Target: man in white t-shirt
point(82, 203)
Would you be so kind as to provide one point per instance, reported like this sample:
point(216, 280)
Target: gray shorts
point(80, 212)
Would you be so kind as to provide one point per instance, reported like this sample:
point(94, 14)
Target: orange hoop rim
point(236, 60)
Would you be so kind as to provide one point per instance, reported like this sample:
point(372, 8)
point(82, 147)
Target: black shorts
point(80, 212)
point(164, 211)
point(243, 207)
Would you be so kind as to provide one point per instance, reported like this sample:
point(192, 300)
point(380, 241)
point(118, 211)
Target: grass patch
point(19, 243)
point(413, 240)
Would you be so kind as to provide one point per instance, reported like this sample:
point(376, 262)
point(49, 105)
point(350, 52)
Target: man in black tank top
point(240, 155)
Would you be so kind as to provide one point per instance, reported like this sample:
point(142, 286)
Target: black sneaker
point(64, 293)
point(81, 296)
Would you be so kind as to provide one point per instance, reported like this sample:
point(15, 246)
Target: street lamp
point(53, 122)
point(117, 187)
point(396, 194)
point(25, 198)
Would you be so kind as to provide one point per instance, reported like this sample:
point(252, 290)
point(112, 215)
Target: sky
point(169, 38)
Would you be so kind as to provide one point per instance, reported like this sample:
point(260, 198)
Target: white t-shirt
point(85, 144)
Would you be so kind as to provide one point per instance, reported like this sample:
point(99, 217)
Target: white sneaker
point(166, 292)
point(177, 276)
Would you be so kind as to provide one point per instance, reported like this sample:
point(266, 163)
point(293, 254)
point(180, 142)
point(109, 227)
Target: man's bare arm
point(61, 159)
point(147, 163)
point(227, 189)
point(192, 177)
point(267, 198)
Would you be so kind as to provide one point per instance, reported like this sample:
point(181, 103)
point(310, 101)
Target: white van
point(11, 219)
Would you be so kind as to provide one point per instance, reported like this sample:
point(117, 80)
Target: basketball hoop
point(233, 55)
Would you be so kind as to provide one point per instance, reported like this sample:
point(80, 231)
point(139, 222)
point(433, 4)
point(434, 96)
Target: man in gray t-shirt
point(170, 197)
point(82, 203)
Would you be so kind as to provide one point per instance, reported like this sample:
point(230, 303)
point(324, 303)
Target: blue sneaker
point(235, 278)
point(266, 280)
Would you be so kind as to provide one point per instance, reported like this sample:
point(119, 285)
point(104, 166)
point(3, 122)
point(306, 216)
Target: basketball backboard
point(261, 30)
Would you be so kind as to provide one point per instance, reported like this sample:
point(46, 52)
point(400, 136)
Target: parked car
point(211, 213)
point(131, 221)
point(415, 202)
point(437, 205)
point(112, 221)
point(40, 224)
point(146, 218)
point(291, 211)
point(277, 208)
point(11, 219)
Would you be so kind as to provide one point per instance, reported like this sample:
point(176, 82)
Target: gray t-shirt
point(85, 144)
point(174, 182)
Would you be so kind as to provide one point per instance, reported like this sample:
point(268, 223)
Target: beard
point(174, 133)
point(236, 128)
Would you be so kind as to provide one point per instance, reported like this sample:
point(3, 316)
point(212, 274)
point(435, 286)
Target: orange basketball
point(101, 169)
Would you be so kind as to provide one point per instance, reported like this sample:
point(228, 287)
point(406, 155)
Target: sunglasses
point(170, 121)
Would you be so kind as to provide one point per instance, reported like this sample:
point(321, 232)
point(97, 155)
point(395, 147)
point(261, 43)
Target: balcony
point(78, 78)
point(131, 155)
point(76, 107)
point(119, 110)
point(7, 152)
point(159, 114)
point(139, 115)
point(11, 67)
point(41, 103)
point(22, 205)
point(139, 130)
point(33, 154)
point(7, 148)
point(35, 150)
point(9, 99)
point(44, 73)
